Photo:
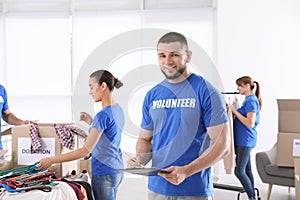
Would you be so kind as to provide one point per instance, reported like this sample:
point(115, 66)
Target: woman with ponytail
point(247, 117)
point(103, 140)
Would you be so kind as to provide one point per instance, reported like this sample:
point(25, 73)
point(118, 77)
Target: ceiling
point(73, 5)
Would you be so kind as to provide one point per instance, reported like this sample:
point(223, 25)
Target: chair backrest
point(272, 154)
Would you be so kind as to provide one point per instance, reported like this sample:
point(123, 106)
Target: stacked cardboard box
point(50, 146)
point(297, 177)
point(288, 130)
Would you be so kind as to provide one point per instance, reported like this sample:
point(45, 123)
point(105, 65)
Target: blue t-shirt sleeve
point(214, 107)
point(100, 121)
point(3, 99)
point(146, 118)
point(251, 106)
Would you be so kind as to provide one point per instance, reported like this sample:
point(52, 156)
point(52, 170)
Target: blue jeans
point(105, 187)
point(243, 169)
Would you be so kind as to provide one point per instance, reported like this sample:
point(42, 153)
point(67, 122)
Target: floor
point(278, 193)
point(134, 187)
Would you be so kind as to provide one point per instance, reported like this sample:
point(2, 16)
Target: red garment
point(77, 188)
point(65, 134)
point(35, 137)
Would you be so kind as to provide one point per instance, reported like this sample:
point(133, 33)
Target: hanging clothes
point(65, 134)
point(229, 159)
point(34, 135)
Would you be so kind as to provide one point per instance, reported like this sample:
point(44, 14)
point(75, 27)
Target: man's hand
point(176, 174)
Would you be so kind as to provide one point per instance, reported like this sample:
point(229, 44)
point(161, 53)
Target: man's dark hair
point(174, 37)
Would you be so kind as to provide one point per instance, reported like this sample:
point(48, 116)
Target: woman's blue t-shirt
point(107, 154)
point(243, 135)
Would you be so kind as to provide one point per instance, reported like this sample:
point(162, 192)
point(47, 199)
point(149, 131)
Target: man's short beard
point(176, 75)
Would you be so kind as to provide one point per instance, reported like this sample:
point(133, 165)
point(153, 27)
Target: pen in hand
point(133, 162)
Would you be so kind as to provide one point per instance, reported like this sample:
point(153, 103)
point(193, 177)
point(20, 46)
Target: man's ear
point(188, 56)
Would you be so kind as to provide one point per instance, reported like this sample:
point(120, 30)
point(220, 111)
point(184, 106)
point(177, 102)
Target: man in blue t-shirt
point(6, 114)
point(184, 127)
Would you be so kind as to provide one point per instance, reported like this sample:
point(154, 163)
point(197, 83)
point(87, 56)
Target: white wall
point(2, 48)
point(261, 39)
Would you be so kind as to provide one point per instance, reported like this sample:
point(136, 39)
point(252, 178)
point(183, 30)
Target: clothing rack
point(230, 93)
point(238, 189)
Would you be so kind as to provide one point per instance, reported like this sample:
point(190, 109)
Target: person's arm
point(143, 149)
point(221, 144)
point(87, 148)
point(248, 121)
point(10, 118)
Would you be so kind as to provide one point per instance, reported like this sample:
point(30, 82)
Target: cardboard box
point(289, 115)
point(297, 177)
point(4, 165)
point(285, 143)
point(21, 147)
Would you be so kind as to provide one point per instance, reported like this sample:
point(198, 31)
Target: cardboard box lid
point(6, 132)
point(289, 115)
point(289, 104)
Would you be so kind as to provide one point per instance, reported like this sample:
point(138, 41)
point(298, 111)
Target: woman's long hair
point(248, 80)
